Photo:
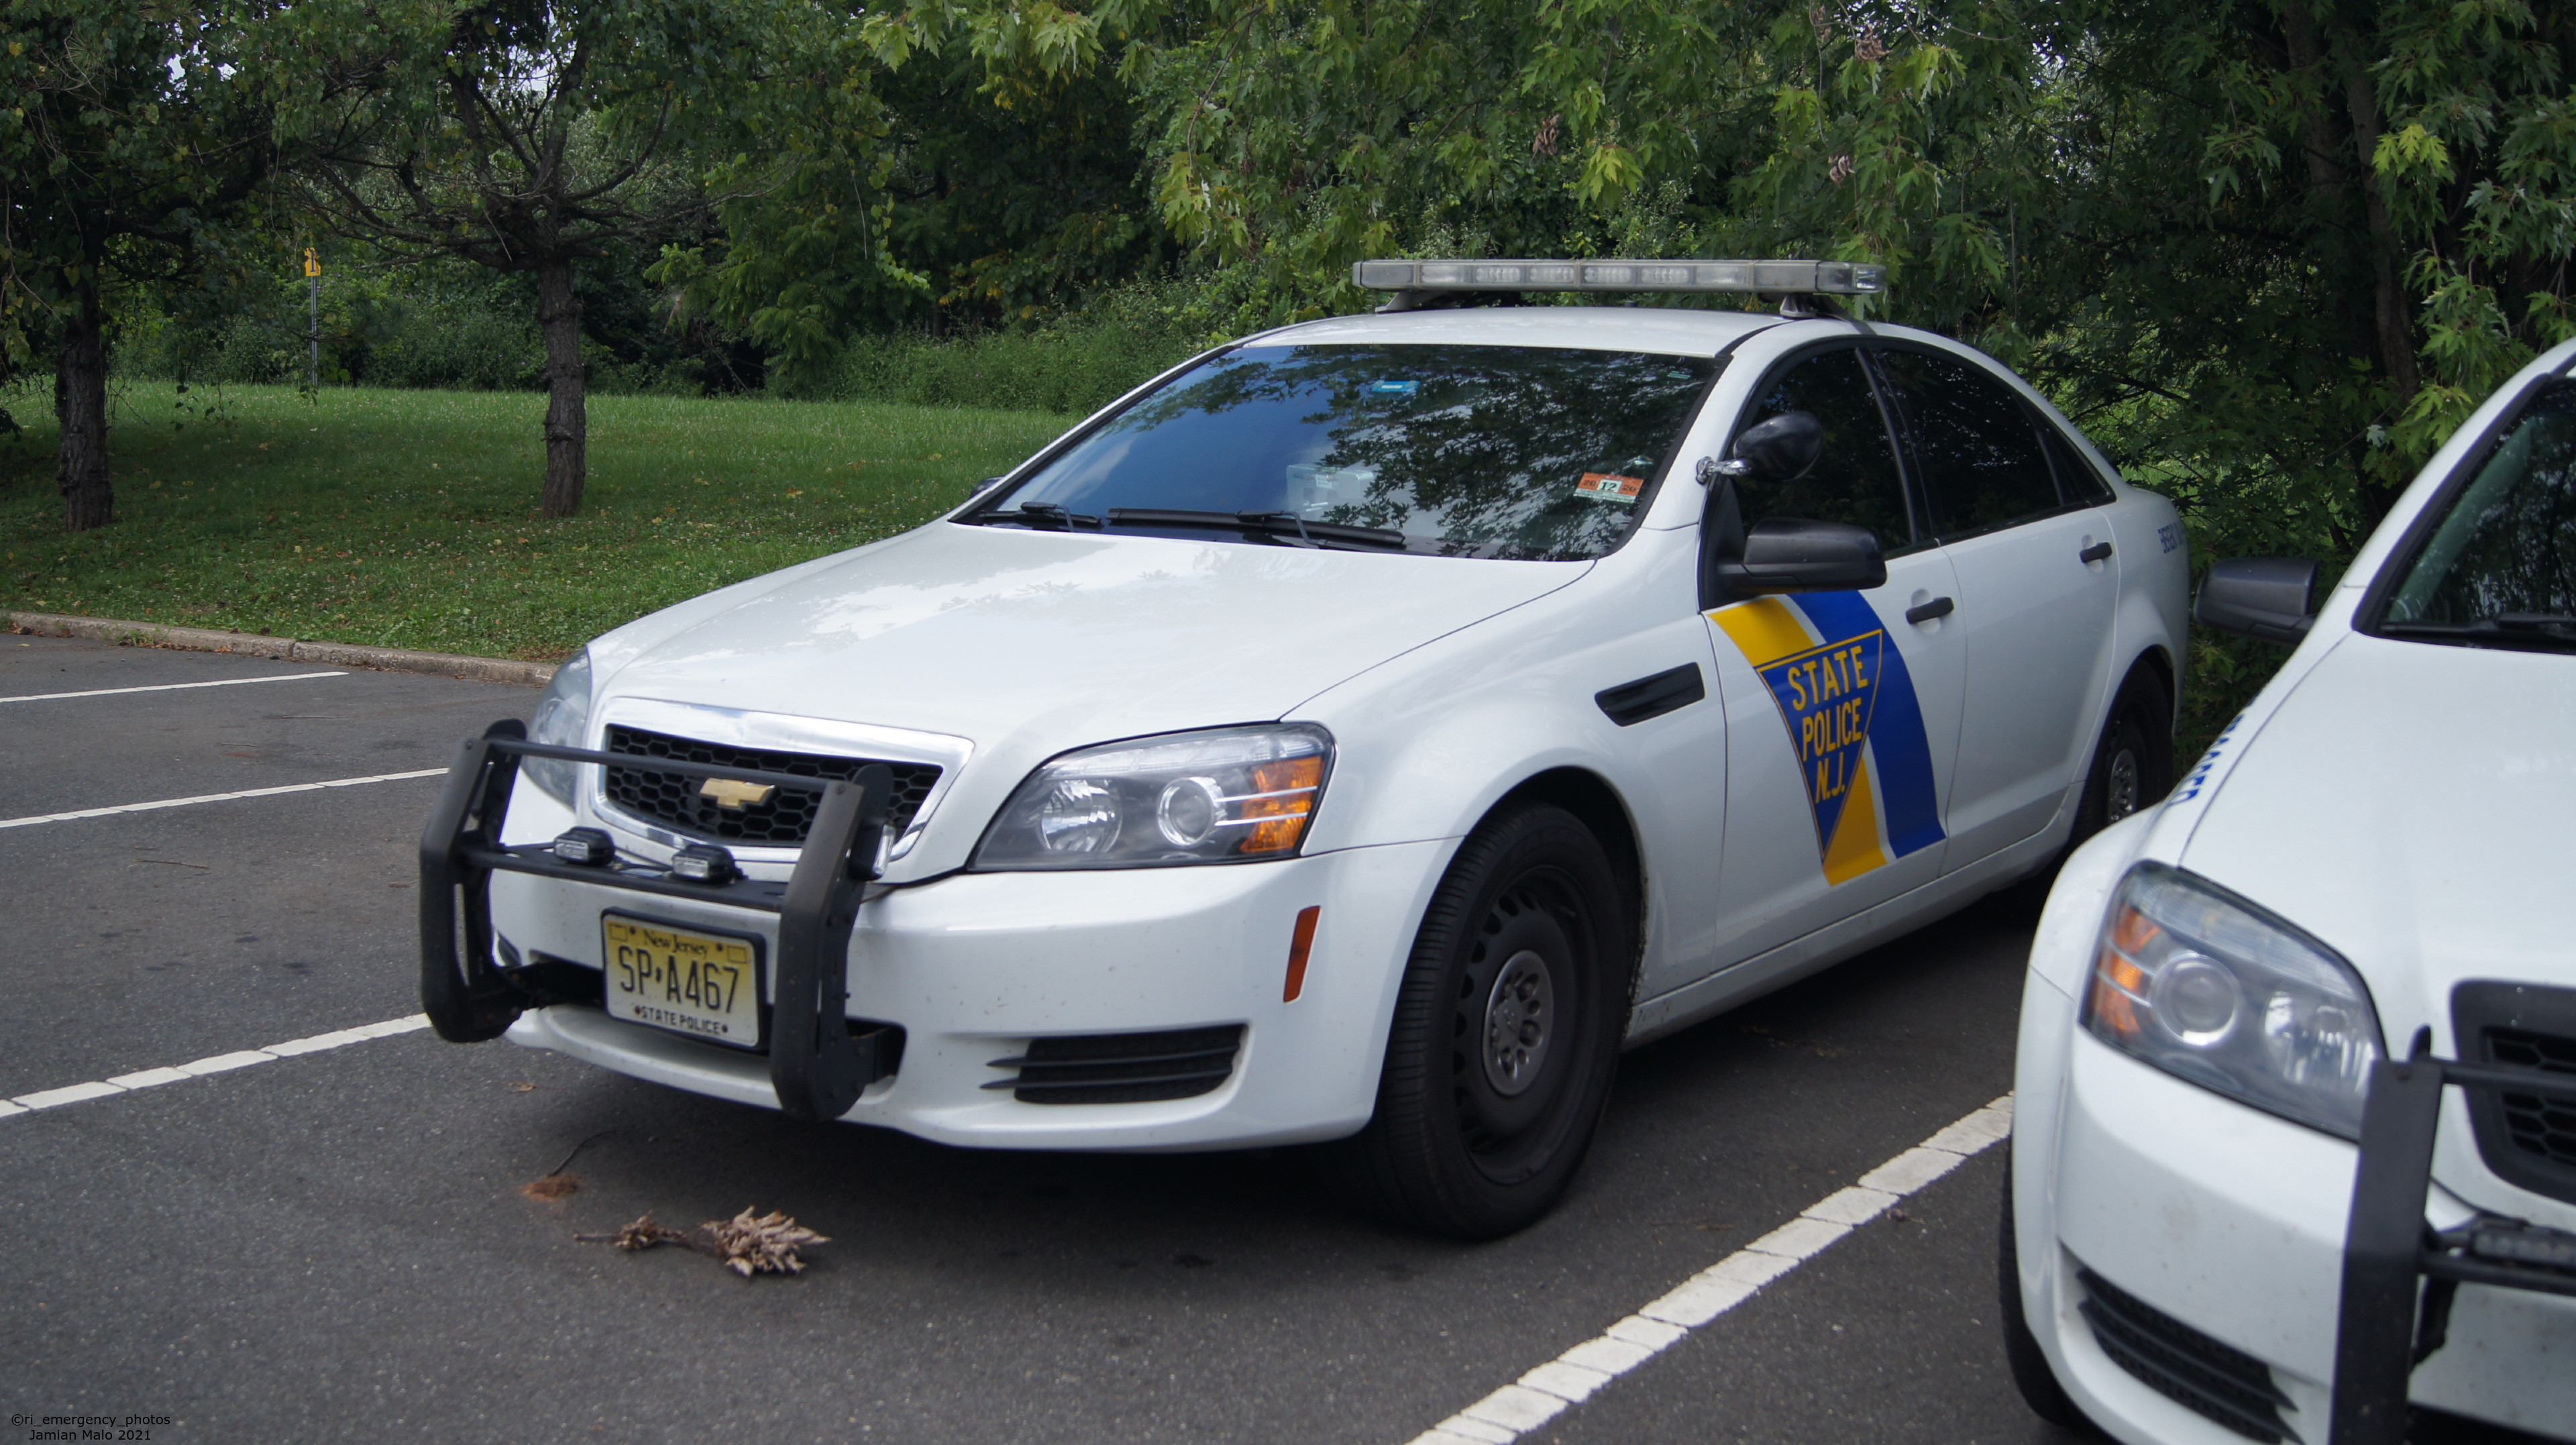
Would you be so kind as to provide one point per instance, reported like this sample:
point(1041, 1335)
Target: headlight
point(562, 716)
point(1228, 795)
point(2204, 985)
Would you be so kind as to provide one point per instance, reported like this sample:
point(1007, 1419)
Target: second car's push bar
point(2384, 1329)
point(815, 1064)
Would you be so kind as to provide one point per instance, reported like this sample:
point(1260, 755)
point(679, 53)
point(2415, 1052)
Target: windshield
point(2501, 564)
point(1458, 451)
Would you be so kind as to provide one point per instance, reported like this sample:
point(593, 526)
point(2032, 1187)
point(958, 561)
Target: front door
point(1842, 708)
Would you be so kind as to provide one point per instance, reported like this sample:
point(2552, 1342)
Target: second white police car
point(1354, 737)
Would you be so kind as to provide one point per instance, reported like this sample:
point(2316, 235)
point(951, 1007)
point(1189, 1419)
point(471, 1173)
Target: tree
point(134, 130)
point(940, 196)
point(533, 135)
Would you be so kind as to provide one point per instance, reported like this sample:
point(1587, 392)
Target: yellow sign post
point(313, 275)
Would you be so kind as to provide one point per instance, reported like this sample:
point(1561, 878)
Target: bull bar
point(816, 1064)
point(2383, 1330)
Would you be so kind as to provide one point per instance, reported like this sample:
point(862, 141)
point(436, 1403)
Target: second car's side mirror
point(2265, 597)
point(1792, 554)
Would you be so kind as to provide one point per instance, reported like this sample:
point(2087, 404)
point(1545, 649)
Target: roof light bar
point(1778, 278)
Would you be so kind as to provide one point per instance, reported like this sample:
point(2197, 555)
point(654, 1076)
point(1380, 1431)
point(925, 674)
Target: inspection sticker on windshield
point(1609, 487)
point(1394, 388)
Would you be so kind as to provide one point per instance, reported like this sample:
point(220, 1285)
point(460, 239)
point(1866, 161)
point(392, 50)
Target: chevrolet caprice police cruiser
point(1354, 737)
point(2295, 1121)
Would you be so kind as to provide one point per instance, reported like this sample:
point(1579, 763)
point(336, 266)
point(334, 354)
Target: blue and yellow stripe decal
point(1853, 720)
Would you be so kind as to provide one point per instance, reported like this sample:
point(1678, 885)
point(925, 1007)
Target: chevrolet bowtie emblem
point(735, 795)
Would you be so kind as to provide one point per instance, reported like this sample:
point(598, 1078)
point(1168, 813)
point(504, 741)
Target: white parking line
point(198, 1069)
point(169, 686)
point(1541, 1395)
point(215, 798)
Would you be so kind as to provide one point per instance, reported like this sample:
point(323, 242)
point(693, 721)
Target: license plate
point(706, 985)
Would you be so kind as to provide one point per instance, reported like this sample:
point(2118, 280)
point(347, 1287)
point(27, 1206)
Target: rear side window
point(1855, 479)
point(1976, 446)
point(2076, 479)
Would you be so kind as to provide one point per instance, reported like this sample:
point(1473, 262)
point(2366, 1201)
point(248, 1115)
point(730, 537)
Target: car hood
point(2406, 803)
point(1027, 643)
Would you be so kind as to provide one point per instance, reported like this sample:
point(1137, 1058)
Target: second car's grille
point(2206, 1376)
point(2542, 1126)
point(2526, 1139)
point(781, 821)
point(1121, 1068)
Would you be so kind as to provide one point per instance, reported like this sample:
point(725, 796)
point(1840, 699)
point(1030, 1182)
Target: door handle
point(2094, 553)
point(1937, 607)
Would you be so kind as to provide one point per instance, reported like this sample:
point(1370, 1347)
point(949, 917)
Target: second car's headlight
point(561, 718)
point(2202, 984)
point(1227, 795)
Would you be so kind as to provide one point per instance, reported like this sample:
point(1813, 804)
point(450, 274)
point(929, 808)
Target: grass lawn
point(409, 518)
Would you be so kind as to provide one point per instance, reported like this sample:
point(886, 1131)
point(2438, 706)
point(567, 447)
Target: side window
point(1856, 479)
point(2076, 479)
point(1977, 448)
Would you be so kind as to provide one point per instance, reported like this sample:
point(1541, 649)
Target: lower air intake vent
point(2201, 1374)
point(1122, 1068)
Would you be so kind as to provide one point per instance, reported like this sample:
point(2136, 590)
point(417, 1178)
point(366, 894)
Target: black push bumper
point(817, 1065)
point(2386, 1325)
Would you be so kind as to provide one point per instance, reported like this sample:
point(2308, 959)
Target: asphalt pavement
point(339, 1244)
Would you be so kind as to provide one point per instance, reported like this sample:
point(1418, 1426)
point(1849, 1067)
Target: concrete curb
point(284, 649)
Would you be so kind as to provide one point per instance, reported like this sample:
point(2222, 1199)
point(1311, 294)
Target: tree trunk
point(567, 408)
point(80, 405)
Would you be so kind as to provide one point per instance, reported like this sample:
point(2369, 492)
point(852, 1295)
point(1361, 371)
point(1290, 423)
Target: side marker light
point(1299, 943)
point(589, 847)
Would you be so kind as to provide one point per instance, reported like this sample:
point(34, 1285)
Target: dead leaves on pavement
point(744, 1244)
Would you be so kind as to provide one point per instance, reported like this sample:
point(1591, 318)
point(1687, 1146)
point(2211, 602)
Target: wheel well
point(1589, 797)
point(2159, 664)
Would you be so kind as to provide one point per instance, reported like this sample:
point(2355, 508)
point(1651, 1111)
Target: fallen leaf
point(766, 1245)
point(552, 1187)
point(642, 1233)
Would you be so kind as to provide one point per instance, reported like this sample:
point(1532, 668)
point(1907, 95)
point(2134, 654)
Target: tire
point(2030, 1370)
point(1506, 1032)
point(2132, 766)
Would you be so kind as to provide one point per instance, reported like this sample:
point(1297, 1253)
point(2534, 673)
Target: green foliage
point(1072, 364)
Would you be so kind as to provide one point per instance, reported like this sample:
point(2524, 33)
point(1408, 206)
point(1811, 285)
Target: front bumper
point(972, 969)
point(2225, 1228)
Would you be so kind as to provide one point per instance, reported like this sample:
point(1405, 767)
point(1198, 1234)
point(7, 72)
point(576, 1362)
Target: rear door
point(2037, 579)
point(1842, 716)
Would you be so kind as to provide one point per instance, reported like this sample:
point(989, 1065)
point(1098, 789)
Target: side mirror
point(986, 485)
point(2265, 597)
point(1791, 554)
point(1781, 449)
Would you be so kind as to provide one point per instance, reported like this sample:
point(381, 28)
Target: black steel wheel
point(2133, 763)
point(1505, 1035)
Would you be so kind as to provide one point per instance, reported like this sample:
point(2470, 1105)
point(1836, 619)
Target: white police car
point(2295, 1109)
point(1355, 736)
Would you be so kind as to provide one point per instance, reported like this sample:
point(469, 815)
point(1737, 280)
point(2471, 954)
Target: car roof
point(1655, 329)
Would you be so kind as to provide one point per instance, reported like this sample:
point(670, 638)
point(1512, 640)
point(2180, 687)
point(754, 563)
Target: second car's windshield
point(2504, 556)
point(1472, 451)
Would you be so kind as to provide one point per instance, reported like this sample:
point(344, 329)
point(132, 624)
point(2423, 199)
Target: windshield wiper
point(2527, 631)
point(1043, 515)
point(1283, 525)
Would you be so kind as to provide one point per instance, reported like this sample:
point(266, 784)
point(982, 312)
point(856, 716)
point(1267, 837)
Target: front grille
point(1121, 1068)
point(2525, 1138)
point(2201, 1374)
point(781, 822)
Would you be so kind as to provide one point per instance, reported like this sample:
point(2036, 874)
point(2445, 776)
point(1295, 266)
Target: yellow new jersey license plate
point(703, 984)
